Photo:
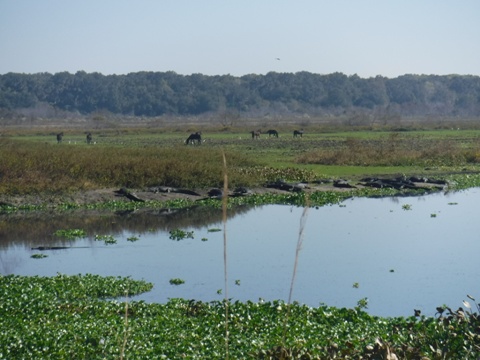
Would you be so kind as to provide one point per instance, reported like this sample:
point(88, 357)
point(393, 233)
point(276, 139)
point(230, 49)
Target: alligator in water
point(43, 248)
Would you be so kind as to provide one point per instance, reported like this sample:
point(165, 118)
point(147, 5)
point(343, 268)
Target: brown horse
point(255, 134)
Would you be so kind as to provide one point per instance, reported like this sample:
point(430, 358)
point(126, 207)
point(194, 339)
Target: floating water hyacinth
point(71, 233)
point(178, 234)
point(107, 239)
point(177, 281)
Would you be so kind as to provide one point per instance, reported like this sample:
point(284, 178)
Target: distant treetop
point(161, 93)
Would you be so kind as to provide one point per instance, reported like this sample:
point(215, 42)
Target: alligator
point(43, 248)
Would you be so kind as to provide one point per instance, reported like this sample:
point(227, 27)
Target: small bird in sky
point(277, 58)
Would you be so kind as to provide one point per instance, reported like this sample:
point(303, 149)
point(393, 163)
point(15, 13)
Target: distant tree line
point(168, 93)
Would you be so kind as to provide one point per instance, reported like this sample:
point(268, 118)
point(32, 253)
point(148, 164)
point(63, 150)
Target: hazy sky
point(238, 37)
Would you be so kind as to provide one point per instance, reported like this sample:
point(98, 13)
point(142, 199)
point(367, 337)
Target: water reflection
point(37, 228)
point(404, 253)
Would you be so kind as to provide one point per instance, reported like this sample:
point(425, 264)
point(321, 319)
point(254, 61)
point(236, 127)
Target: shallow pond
point(401, 253)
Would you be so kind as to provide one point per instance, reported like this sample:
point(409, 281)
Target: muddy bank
point(163, 194)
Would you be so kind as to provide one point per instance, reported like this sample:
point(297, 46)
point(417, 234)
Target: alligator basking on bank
point(401, 182)
point(282, 185)
point(169, 189)
point(44, 248)
point(398, 183)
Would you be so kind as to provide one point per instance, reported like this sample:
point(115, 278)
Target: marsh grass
point(137, 159)
point(29, 167)
point(396, 150)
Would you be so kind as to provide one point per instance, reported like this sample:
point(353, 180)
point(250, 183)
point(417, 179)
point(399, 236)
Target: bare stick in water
point(303, 221)
point(225, 258)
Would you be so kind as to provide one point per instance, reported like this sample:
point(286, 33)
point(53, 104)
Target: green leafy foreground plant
point(71, 317)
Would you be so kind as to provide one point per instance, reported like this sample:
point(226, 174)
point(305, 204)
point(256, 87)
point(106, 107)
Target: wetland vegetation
point(72, 317)
point(33, 164)
point(88, 316)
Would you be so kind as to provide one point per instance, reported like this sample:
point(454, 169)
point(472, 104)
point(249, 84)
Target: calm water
point(404, 253)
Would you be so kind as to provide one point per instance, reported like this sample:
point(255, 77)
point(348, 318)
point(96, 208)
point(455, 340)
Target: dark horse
point(89, 138)
point(298, 133)
point(255, 134)
point(59, 137)
point(273, 133)
point(195, 138)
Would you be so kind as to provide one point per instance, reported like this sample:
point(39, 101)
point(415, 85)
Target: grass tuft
point(31, 167)
point(394, 150)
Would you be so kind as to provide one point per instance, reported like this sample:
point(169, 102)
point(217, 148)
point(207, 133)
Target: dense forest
point(150, 94)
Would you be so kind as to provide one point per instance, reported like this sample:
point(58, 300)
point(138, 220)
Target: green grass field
point(33, 162)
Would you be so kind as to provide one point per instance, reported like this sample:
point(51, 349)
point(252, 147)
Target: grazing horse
point(194, 138)
point(273, 133)
point(255, 134)
point(298, 133)
point(89, 138)
point(59, 137)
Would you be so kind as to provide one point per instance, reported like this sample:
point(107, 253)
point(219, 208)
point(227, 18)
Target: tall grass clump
point(41, 167)
point(394, 150)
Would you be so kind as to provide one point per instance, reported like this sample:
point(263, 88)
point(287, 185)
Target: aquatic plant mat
point(74, 317)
